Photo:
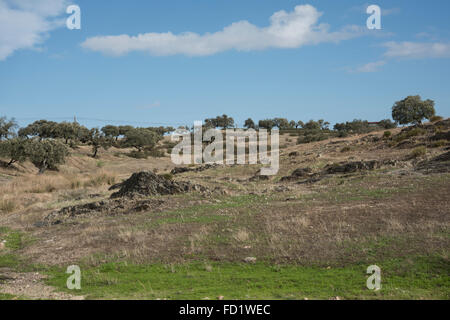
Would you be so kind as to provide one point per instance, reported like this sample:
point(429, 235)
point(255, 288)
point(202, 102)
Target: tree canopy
point(222, 121)
point(249, 124)
point(141, 138)
point(7, 128)
point(412, 109)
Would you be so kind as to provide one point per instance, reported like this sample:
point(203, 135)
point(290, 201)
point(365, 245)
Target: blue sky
point(105, 73)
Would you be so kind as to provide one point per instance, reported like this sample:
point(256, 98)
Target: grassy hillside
point(334, 208)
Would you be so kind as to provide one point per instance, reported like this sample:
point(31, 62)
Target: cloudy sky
point(173, 62)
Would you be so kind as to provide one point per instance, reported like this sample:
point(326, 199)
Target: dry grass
point(7, 206)
point(318, 224)
point(241, 235)
point(418, 152)
point(99, 180)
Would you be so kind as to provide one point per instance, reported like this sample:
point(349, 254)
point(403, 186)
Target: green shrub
point(155, 153)
point(416, 132)
point(346, 149)
point(137, 155)
point(436, 118)
point(387, 134)
point(418, 152)
point(409, 134)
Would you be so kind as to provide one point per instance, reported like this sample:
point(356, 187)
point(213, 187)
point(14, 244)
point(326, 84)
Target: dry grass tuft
point(241, 235)
point(418, 152)
point(7, 206)
point(99, 180)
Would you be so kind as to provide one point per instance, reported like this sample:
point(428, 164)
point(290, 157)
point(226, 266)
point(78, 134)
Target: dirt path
point(30, 285)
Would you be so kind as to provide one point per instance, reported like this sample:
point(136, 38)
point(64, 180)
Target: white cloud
point(371, 66)
point(408, 50)
point(417, 50)
point(26, 23)
point(286, 30)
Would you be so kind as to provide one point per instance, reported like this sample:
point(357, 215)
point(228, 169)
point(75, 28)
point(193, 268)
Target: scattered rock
point(441, 136)
point(336, 298)
point(305, 175)
point(297, 174)
point(207, 166)
point(250, 259)
point(281, 189)
point(350, 167)
point(259, 178)
point(439, 164)
point(108, 207)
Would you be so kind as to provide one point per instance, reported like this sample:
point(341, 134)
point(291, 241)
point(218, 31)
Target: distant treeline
point(46, 143)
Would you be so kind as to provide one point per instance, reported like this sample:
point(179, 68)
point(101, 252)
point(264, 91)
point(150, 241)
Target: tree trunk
point(43, 167)
point(10, 162)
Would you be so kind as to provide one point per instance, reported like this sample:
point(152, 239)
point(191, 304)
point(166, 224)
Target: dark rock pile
point(130, 198)
point(305, 175)
point(146, 183)
point(439, 164)
point(349, 167)
point(178, 170)
point(298, 174)
point(107, 207)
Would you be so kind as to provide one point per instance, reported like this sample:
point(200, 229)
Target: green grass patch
point(204, 213)
point(9, 260)
point(6, 296)
point(15, 240)
point(422, 277)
